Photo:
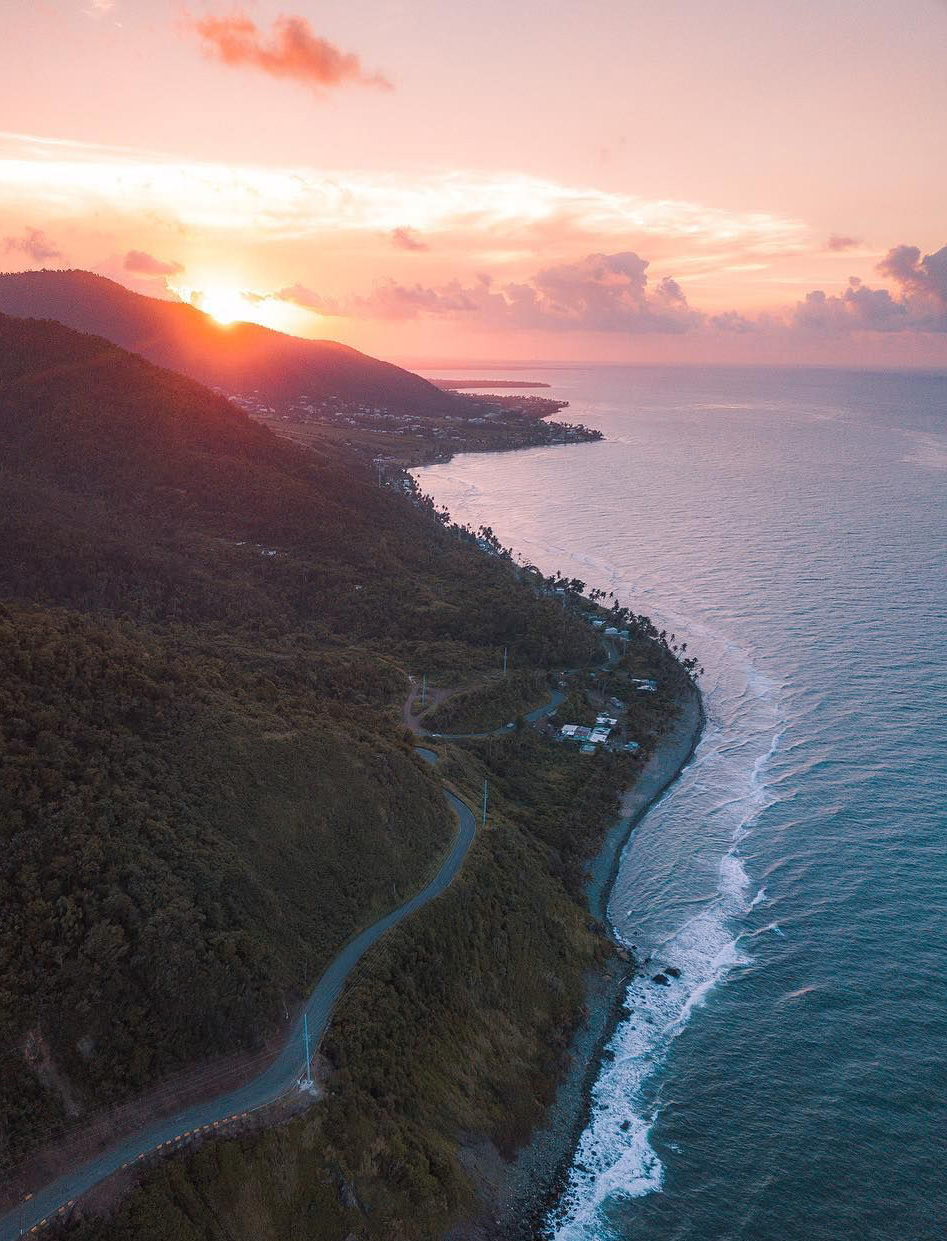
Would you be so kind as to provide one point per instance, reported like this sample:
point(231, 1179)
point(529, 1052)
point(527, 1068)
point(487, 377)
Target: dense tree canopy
point(205, 787)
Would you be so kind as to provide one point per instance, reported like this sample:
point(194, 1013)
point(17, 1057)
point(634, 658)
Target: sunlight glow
point(301, 203)
point(227, 304)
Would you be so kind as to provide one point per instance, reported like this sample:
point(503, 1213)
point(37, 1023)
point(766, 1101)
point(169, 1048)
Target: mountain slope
point(202, 630)
point(242, 357)
point(129, 489)
point(205, 787)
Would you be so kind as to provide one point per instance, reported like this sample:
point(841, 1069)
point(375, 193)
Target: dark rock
point(672, 971)
point(662, 980)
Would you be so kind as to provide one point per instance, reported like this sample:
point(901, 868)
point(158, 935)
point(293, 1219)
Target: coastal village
point(467, 423)
point(609, 729)
point(598, 689)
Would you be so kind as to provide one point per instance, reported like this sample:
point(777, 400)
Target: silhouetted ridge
point(242, 357)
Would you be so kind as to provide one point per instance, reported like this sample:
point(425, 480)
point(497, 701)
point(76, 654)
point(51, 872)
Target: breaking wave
point(726, 791)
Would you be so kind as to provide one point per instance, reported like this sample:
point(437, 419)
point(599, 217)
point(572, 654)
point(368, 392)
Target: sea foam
point(615, 1158)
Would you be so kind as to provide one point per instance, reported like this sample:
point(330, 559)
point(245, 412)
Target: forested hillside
point(206, 786)
point(202, 792)
point(131, 490)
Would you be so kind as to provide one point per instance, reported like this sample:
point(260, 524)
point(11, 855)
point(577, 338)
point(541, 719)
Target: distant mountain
point(130, 489)
point(239, 358)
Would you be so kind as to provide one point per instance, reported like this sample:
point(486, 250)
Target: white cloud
point(512, 213)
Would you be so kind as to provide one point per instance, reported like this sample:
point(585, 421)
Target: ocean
point(791, 527)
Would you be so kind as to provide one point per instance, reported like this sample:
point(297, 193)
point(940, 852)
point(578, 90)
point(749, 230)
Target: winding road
point(531, 717)
point(556, 698)
point(286, 1073)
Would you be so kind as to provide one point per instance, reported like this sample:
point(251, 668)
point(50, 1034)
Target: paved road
point(283, 1075)
point(530, 717)
point(287, 1069)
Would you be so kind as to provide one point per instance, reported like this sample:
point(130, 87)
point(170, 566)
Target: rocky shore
point(515, 1197)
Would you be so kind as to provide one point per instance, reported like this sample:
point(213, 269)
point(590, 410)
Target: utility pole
point(23, 1202)
point(307, 1081)
point(483, 822)
point(506, 651)
point(423, 687)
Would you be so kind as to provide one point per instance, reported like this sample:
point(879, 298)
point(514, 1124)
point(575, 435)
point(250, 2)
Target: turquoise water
point(790, 526)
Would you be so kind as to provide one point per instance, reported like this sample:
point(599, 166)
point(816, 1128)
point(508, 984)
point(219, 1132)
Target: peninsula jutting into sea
point(473, 651)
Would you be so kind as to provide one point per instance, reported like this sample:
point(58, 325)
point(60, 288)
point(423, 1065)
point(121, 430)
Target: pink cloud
point(732, 321)
point(407, 239)
point(600, 293)
point(147, 265)
point(605, 293)
point(613, 294)
point(925, 276)
point(292, 51)
point(390, 300)
point(35, 244)
point(919, 305)
point(839, 242)
point(300, 295)
point(857, 308)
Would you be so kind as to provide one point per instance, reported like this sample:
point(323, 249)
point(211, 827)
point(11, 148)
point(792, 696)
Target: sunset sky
point(616, 180)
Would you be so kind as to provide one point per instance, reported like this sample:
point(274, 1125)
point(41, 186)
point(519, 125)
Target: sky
point(623, 181)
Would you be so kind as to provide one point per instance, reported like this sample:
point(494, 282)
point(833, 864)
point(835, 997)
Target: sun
point(224, 303)
point(226, 306)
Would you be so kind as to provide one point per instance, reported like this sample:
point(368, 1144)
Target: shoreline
point(516, 1197)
